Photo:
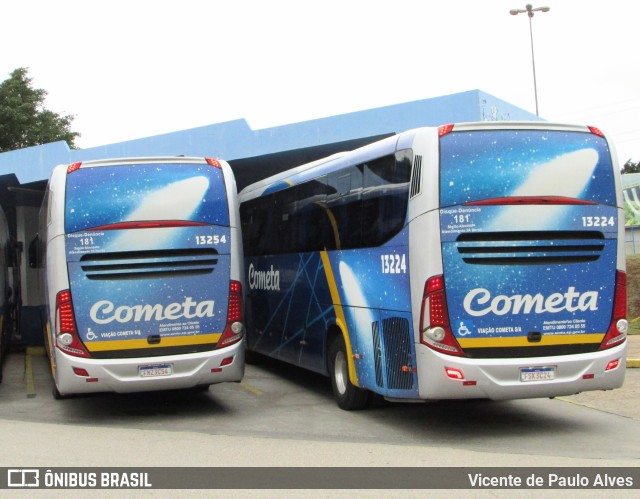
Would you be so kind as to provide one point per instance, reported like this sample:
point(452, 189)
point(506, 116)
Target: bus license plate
point(155, 370)
point(537, 374)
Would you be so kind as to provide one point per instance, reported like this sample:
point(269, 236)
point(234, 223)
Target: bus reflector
point(73, 167)
point(66, 332)
point(612, 365)
point(454, 373)
point(618, 328)
point(79, 371)
point(435, 329)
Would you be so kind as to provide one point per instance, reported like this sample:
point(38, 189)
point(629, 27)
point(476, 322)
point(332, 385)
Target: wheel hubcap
point(340, 372)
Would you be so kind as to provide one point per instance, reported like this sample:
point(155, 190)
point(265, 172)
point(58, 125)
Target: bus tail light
point(73, 167)
point(435, 329)
point(596, 131)
point(213, 162)
point(234, 331)
point(444, 130)
point(618, 328)
point(67, 338)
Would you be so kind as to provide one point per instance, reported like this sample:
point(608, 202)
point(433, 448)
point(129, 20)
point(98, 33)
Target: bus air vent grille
point(530, 248)
point(392, 350)
point(149, 264)
point(416, 180)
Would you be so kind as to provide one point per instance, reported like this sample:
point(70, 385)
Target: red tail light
point(435, 329)
point(444, 130)
point(73, 167)
point(596, 131)
point(213, 162)
point(543, 200)
point(148, 224)
point(618, 328)
point(67, 338)
point(234, 330)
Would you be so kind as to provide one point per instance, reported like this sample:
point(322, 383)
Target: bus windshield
point(486, 164)
point(128, 193)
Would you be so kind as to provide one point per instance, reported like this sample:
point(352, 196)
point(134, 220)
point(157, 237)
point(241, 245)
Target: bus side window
point(346, 205)
point(385, 198)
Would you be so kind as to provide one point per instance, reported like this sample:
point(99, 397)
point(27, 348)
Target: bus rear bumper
point(76, 375)
point(448, 377)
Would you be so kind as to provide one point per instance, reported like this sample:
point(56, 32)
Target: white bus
point(480, 260)
point(143, 275)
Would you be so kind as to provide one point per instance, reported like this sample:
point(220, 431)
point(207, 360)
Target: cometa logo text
point(104, 311)
point(267, 280)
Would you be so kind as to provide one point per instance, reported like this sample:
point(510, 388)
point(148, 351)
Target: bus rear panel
point(143, 276)
point(533, 279)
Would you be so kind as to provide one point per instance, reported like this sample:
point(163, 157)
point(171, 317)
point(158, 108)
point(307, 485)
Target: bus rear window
point(106, 195)
point(480, 165)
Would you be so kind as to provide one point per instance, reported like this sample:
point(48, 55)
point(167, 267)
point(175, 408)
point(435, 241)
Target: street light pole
point(529, 10)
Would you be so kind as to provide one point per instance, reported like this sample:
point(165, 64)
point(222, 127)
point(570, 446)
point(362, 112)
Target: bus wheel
point(348, 396)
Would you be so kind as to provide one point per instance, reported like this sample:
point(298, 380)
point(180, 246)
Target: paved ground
point(624, 401)
point(633, 351)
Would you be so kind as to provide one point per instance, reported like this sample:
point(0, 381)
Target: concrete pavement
point(633, 350)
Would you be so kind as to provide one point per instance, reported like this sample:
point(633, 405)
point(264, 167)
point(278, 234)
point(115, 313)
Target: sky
point(137, 68)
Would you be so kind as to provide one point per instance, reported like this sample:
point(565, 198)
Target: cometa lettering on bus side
point(266, 280)
point(479, 302)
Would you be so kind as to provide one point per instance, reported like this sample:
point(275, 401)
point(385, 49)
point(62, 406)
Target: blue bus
point(143, 275)
point(480, 260)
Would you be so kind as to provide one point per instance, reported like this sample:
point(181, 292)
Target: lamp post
point(529, 10)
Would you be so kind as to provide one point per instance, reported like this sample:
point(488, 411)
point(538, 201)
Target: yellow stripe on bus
point(172, 341)
point(340, 319)
point(522, 341)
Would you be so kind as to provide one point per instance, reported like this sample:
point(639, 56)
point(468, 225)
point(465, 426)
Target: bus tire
point(348, 396)
point(56, 393)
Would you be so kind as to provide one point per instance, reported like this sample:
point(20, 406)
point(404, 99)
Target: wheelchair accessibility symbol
point(463, 330)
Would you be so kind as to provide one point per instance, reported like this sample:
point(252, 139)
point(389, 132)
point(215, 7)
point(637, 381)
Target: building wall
point(235, 139)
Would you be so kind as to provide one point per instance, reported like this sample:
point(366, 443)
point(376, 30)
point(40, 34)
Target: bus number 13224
point(394, 264)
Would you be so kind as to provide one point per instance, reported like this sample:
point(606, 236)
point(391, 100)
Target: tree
point(24, 121)
point(631, 167)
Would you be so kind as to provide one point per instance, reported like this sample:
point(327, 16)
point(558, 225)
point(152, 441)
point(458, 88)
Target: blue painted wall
point(235, 139)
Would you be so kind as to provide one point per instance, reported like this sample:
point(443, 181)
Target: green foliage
point(631, 167)
point(630, 218)
point(24, 121)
